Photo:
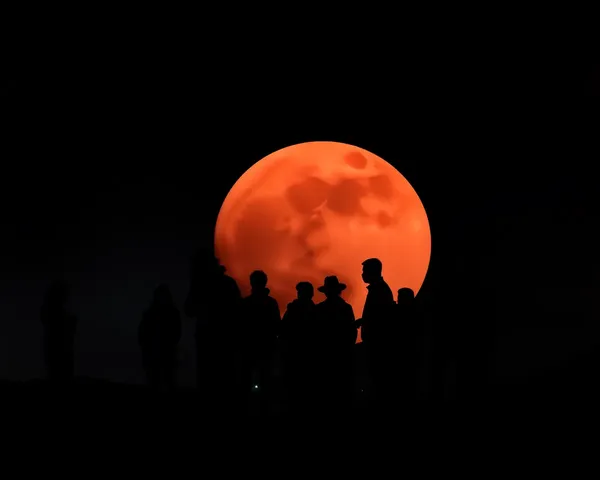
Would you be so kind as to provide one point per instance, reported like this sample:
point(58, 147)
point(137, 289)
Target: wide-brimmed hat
point(332, 284)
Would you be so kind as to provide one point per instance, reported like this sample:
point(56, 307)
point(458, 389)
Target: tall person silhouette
point(159, 333)
point(336, 331)
point(296, 332)
point(59, 334)
point(261, 324)
point(379, 309)
point(213, 301)
point(409, 335)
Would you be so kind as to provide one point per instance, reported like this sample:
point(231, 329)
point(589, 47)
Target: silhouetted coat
point(335, 333)
point(158, 335)
point(335, 324)
point(379, 307)
point(407, 335)
point(59, 335)
point(296, 323)
point(261, 322)
point(213, 296)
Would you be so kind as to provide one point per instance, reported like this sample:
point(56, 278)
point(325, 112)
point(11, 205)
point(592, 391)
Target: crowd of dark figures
point(238, 338)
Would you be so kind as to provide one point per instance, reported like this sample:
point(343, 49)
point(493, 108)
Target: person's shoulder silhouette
point(230, 285)
point(210, 286)
point(161, 319)
point(260, 304)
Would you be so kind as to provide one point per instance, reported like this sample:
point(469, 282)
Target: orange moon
point(322, 208)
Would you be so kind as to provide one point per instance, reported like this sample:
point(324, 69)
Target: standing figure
point(158, 335)
point(296, 329)
point(336, 332)
point(409, 333)
point(378, 312)
point(261, 323)
point(213, 301)
point(59, 334)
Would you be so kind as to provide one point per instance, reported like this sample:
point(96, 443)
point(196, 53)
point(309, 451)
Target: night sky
point(115, 165)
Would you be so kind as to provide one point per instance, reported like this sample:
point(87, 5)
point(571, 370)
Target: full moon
point(321, 208)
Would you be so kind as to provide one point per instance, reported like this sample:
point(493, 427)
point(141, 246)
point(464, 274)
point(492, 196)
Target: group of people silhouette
point(238, 339)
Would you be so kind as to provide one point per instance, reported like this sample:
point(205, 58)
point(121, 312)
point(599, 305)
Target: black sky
point(117, 156)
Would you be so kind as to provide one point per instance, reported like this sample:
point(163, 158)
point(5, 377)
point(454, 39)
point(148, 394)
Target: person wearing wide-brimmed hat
point(296, 347)
point(336, 311)
point(337, 334)
point(332, 286)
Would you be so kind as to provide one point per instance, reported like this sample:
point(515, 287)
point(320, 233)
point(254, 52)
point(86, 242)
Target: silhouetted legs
point(59, 364)
point(161, 372)
point(298, 381)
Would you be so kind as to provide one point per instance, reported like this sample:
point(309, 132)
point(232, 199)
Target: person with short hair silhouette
point(408, 330)
point(377, 312)
point(158, 335)
point(296, 326)
point(336, 332)
point(213, 301)
point(261, 325)
point(379, 303)
point(59, 334)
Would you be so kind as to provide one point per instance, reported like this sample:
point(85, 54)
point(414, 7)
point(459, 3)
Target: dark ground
point(544, 424)
point(561, 394)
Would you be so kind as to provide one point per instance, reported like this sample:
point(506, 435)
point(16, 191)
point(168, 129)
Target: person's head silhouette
point(406, 296)
point(206, 264)
point(162, 296)
point(258, 280)
point(332, 287)
point(372, 269)
point(305, 291)
point(57, 294)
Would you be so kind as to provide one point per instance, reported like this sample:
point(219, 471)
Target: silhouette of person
point(213, 301)
point(336, 338)
point(377, 313)
point(59, 334)
point(408, 330)
point(400, 352)
point(158, 335)
point(261, 325)
point(295, 344)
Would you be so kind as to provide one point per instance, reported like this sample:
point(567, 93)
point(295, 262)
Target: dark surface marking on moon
point(260, 180)
point(254, 236)
point(344, 198)
point(308, 194)
point(310, 251)
point(384, 220)
point(381, 186)
point(356, 160)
